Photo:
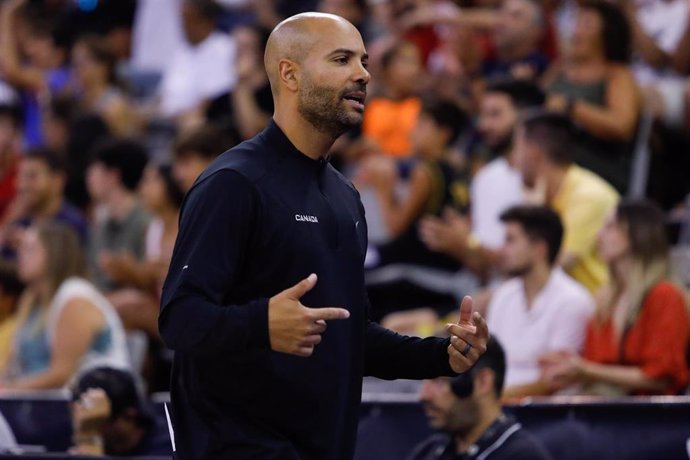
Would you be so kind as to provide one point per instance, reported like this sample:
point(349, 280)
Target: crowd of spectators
point(496, 158)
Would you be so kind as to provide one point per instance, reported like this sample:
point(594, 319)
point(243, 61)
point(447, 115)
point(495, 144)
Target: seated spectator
point(595, 87)
point(65, 325)
point(111, 417)
point(518, 34)
point(249, 106)
point(194, 151)
point(28, 29)
point(637, 342)
point(544, 150)
point(467, 409)
point(435, 180)
point(435, 183)
point(40, 198)
point(11, 289)
point(390, 118)
point(539, 308)
point(495, 187)
point(138, 304)
point(10, 149)
point(94, 68)
point(119, 226)
point(202, 68)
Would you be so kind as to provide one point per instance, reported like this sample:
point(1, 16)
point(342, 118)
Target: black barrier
point(654, 428)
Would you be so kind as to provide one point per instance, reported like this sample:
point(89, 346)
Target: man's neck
point(464, 441)
point(120, 204)
point(303, 135)
point(51, 208)
point(555, 177)
point(534, 281)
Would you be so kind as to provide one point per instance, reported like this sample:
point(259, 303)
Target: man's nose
point(362, 75)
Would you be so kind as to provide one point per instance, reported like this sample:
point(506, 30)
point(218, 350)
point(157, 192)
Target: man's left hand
point(468, 338)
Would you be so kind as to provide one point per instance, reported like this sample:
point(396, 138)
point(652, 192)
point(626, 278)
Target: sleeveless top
point(34, 348)
point(609, 159)
point(449, 188)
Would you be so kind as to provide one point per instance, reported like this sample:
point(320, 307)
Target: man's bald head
point(293, 38)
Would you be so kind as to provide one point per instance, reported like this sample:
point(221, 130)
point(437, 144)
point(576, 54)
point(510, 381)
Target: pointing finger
point(328, 313)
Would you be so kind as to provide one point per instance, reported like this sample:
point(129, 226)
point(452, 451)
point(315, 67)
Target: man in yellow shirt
point(545, 146)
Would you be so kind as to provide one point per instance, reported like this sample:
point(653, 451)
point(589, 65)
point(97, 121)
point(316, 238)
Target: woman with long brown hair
point(637, 342)
point(65, 324)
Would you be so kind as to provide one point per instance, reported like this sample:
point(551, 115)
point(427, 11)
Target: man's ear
point(288, 72)
point(484, 381)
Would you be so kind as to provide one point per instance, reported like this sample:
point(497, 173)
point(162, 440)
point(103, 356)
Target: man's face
point(37, 184)
point(333, 81)
point(446, 411)
point(100, 181)
point(518, 252)
point(528, 157)
point(517, 22)
point(497, 119)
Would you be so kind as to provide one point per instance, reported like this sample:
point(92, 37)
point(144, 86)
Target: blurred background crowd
point(532, 153)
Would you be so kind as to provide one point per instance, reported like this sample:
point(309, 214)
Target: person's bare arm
point(630, 377)
point(399, 215)
point(77, 325)
point(10, 64)
point(538, 388)
point(616, 120)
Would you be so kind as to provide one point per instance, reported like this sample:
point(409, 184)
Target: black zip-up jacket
point(261, 218)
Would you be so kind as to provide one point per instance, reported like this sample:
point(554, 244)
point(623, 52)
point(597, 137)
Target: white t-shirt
point(556, 321)
point(199, 72)
point(157, 31)
point(495, 188)
point(665, 22)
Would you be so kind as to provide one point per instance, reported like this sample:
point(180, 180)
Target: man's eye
point(341, 60)
point(365, 64)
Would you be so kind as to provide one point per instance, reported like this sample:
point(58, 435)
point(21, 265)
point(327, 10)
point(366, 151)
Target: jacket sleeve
point(389, 355)
point(216, 225)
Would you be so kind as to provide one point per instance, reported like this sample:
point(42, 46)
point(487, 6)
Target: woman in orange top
point(637, 342)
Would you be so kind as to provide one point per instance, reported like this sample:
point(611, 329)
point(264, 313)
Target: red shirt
point(656, 343)
point(8, 187)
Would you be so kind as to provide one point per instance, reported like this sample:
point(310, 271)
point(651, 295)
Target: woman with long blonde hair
point(638, 340)
point(65, 325)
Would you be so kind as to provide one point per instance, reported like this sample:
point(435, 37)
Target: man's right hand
point(294, 328)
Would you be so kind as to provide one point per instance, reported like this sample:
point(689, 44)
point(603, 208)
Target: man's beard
point(325, 109)
point(519, 271)
point(503, 144)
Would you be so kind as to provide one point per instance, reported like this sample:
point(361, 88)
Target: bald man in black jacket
point(267, 229)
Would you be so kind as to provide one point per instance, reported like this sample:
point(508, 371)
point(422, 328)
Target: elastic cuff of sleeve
point(258, 324)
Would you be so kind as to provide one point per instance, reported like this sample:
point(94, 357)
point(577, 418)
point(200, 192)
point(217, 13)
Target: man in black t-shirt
point(468, 410)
